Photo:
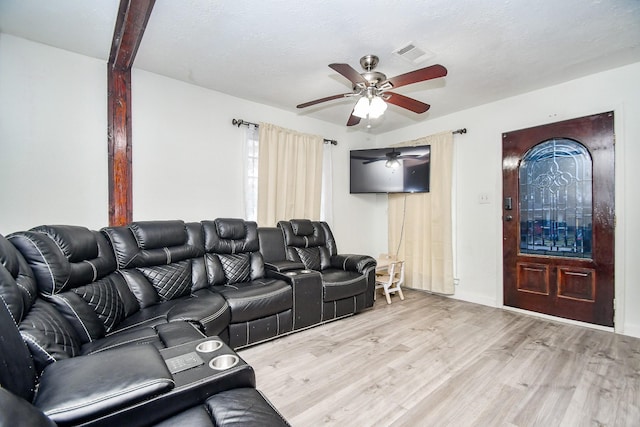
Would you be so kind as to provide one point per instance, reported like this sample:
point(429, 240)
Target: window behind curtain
point(251, 174)
point(251, 149)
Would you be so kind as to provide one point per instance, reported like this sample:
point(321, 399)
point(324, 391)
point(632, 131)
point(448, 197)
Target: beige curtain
point(425, 240)
point(289, 175)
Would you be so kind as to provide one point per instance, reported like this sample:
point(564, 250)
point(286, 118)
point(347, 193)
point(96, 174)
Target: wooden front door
point(558, 219)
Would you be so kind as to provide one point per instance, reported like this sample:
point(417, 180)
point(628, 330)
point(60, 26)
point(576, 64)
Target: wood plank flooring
point(435, 361)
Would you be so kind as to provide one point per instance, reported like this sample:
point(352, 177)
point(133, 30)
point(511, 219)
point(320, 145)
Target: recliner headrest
point(8, 256)
point(230, 236)
point(64, 256)
point(159, 234)
point(302, 227)
point(18, 288)
point(231, 228)
point(76, 243)
point(152, 243)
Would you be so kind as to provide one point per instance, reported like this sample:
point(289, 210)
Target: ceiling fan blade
point(350, 73)
point(353, 120)
point(328, 98)
point(406, 102)
point(372, 161)
point(427, 73)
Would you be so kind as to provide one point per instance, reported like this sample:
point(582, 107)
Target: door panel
point(533, 278)
point(558, 219)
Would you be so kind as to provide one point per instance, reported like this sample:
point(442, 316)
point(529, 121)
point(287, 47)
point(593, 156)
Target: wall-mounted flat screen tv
point(390, 170)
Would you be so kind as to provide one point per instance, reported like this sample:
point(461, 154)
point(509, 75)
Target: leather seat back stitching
point(28, 292)
point(53, 281)
point(7, 305)
point(135, 236)
point(32, 340)
point(64, 285)
point(168, 253)
point(64, 301)
point(95, 270)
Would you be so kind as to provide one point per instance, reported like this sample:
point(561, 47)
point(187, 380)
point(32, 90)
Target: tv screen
point(390, 170)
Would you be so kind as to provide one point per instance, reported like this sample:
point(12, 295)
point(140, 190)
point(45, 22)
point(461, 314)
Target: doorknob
point(508, 218)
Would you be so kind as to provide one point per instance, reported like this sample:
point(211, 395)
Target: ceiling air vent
point(413, 54)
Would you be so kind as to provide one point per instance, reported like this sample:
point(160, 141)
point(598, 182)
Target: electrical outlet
point(483, 198)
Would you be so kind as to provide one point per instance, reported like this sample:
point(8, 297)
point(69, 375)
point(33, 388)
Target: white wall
point(187, 157)
point(186, 153)
point(53, 131)
point(478, 164)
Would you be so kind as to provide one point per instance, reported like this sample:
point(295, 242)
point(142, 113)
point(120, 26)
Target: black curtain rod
point(240, 122)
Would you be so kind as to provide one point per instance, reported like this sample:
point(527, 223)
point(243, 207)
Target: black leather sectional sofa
point(137, 325)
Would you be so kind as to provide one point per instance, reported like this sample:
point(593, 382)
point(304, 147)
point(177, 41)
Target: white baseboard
point(631, 330)
point(474, 298)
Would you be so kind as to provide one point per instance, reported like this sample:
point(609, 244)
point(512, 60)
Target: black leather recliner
point(130, 385)
point(76, 303)
point(348, 281)
point(261, 307)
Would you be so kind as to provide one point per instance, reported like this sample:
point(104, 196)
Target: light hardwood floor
point(435, 361)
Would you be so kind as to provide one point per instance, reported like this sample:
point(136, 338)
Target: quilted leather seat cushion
point(339, 284)
point(204, 307)
point(259, 298)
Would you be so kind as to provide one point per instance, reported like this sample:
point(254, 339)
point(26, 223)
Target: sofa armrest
point(16, 411)
point(350, 262)
point(307, 295)
point(86, 387)
point(282, 266)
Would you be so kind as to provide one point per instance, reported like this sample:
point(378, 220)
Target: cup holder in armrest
point(208, 346)
point(224, 361)
point(291, 273)
point(306, 271)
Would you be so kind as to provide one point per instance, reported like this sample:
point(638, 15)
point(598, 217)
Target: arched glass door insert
point(555, 192)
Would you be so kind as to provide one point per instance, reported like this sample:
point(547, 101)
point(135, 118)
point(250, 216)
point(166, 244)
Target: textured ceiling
point(276, 52)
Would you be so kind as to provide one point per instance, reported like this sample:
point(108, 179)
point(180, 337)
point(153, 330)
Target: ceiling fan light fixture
point(392, 163)
point(362, 108)
point(377, 107)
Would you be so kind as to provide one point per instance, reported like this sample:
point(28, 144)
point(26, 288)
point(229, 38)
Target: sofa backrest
point(232, 251)
point(271, 244)
point(64, 256)
point(75, 270)
point(309, 242)
point(17, 293)
point(160, 260)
